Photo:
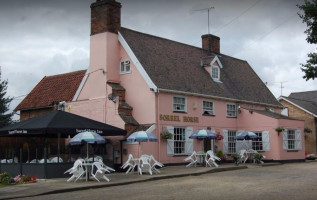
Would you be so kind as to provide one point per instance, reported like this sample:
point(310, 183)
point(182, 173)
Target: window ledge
point(231, 116)
point(175, 111)
point(179, 155)
point(212, 115)
point(292, 150)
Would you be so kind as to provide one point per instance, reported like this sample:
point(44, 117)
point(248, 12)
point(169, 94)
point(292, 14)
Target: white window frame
point(210, 111)
point(229, 142)
point(257, 144)
point(293, 143)
point(175, 104)
point(125, 64)
point(232, 111)
point(215, 67)
point(173, 147)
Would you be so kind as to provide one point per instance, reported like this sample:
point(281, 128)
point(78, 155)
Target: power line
point(227, 24)
point(268, 33)
point(245, 11)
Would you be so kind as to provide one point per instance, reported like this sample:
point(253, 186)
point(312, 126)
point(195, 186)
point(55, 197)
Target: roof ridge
point(161, 38)
point(214, 54)
point(306, 100)
point(304, 92)
point(78, 71)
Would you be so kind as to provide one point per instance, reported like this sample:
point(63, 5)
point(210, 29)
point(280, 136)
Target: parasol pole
point(87, 151)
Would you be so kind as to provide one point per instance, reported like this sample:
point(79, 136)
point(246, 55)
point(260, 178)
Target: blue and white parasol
point(142, 136)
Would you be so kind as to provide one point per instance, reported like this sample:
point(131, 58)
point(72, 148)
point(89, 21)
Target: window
point(208, 108)
point(179, 104)
point(231, 141)
point(125, 67)
point(180, 144)
point(231, 110)
point(292, 139)
point(179, 140)
point(257, 144)
point(215, 73)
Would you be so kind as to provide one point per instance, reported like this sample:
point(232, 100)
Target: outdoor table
point(87, 169)
point(201, 156)
point(250, 153)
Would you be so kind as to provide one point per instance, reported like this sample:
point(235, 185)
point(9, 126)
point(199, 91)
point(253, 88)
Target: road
point(289, 181)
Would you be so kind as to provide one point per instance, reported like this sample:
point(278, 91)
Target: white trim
point(185, 108)
point(80, 87)
point(296, 105)
point(213, 106)
point(124, 63)
point(211, 96)
point(136, 62)
point(218, 61)
point(232, 104)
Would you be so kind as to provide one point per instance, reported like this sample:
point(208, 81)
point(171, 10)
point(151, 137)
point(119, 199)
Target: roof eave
point(294, 104)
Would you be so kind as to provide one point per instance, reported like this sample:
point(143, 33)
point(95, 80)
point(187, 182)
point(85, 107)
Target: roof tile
point(52, 89)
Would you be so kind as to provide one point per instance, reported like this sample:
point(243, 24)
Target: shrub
point(166, 135)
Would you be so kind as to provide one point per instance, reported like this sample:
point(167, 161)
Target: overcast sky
point(45, 37)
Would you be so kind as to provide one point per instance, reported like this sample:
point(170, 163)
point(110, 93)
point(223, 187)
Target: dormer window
point(213, 66)
point(215, 73)
point(125, 67)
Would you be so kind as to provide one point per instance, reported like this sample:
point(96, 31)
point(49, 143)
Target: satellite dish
point(112, 97)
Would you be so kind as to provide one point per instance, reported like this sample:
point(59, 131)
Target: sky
point(40, 38)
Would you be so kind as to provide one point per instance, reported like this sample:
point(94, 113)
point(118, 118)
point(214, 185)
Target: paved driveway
point(289, 181)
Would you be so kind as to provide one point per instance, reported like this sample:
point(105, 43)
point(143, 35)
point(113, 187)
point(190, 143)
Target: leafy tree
point(310, 18)
point(5, 119)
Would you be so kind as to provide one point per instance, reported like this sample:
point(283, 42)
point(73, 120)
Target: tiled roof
point(309, 105)
point(273, 114)
point(309, 95)
point(53, 89)
point(175, 66)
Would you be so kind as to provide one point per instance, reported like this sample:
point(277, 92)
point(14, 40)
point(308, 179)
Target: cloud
point(41, 37)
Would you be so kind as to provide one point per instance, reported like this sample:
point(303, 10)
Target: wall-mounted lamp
point(239, 108)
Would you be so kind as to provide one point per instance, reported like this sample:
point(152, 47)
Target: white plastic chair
point(243, 156)
point(192, 158)
point(210, 159)
point(94, 159)
point(105, 166)
point(129, 163)
point(155, 163)
point(34, 161)
point(99, 170)
point(77, 170)
point(55, 160)
point(145, 165)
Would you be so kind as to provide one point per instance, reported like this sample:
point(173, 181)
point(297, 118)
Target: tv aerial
point(208, 10)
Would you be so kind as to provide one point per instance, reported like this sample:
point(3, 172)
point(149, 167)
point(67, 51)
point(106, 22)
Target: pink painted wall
point(138, 94)
point(252, 121)
point(101, 58)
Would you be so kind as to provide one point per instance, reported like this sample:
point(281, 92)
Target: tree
point(5, 118)
point(310, 18)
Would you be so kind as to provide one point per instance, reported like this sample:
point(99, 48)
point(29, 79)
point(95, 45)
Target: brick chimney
point(211, 43)
point(105, 16)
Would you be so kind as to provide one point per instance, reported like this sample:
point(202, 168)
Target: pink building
point(137, 81)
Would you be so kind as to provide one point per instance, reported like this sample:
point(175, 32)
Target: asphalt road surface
point(289, 181)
